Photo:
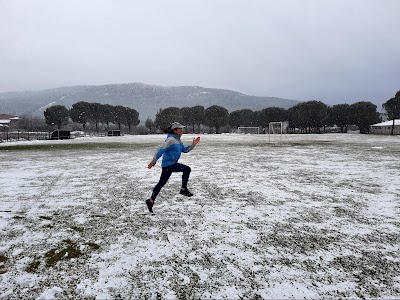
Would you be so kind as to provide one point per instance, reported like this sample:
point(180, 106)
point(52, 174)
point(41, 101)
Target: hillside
point(146, 99)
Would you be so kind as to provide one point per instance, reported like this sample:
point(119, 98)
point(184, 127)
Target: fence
point(6, 136)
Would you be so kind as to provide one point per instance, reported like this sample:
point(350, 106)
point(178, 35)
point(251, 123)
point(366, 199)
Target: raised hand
point(196, 140)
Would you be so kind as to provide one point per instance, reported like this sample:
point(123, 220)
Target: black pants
point(166, 174)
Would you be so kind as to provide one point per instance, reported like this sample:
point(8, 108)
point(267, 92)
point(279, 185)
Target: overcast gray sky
point(339, 51)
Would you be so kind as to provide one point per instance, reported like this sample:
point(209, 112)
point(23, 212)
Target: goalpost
point(248, 130)
point(276, 128)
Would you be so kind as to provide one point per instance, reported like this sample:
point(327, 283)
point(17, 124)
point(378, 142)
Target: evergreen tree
point(271, 114)
point(198, 116)
point(216, 116)
point(149, 124)
point(120, 115)
point(95, 114)
point(131, 118)
point(339, 115)
point(57, 115)
point(107, 114)
point(166, 116)
point(392, 107)
point(363, 114)
point(80, 113)
point(242, 117)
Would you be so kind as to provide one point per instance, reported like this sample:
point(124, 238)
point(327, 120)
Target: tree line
point(84, 112)
point(305, 117)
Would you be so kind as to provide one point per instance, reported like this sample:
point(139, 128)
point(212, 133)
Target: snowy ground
point(318, 218)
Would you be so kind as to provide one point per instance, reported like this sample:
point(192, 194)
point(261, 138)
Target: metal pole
point(269, 132)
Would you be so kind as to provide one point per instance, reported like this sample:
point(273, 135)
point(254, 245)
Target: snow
point(50, 293)
point(388, 123)
point(316, 217)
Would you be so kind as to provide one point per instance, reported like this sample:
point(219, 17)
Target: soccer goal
point(248, 130)
point(276, 131)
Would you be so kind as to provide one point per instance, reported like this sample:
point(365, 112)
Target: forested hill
point(146, 99)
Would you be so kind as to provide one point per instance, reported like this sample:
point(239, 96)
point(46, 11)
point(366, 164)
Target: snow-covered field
point(318, 218)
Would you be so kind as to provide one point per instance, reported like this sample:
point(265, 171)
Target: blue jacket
point(171, 150)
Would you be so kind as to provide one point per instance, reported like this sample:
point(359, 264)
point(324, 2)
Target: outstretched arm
point(186, 149)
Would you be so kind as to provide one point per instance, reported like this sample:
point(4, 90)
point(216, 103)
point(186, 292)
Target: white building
point(7, 120)
point(386, 127)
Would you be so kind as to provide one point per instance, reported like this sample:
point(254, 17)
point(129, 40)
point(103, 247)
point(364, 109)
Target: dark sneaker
point(186, 193)
point(150, 205)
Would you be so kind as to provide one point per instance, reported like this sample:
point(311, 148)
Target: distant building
point(7, 120)
point(386, 127)
point(61, 135)
point(114, 133)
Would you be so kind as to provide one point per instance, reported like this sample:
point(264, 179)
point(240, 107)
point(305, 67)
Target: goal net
point(248, 130)
point(276, 130)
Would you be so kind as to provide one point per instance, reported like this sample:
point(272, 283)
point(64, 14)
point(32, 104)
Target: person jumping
point(171, 151)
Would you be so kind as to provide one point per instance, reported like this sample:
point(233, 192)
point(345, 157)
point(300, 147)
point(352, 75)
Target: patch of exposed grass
point(3, 258)
point(77, 228)
point(45, 217)
point(70, 242)
point(93, 246)
point(57, 254)
point(18, 217)
point(33, 266)
point(67, 250)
